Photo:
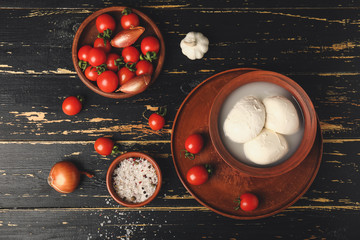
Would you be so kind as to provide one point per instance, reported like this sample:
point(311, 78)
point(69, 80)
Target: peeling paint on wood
point(330, 127)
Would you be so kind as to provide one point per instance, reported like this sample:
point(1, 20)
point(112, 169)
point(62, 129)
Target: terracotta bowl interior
point(87, 33)
point(309, 118)
point(115, 163)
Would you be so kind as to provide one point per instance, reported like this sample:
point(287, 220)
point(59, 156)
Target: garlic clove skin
point(194, 45)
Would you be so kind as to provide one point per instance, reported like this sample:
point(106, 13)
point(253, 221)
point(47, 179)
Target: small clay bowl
point(309, 123)
point(109, 178)
point(87, 34)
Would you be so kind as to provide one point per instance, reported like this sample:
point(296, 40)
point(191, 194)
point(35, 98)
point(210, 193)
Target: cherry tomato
point(91, 73)
point(110, 61)
point(144, 67)
point(197, 175)
point(150, 44)
point(156, 121)
point(99, 43)
point(248, 202)
point(96, 57)
point(71, 105)
point(83, 53)
point(125, 75)
point(130, 54)
point(194, 143)
point(104, 146)
point(104, 22)
point(129, 20)
point(108, 81)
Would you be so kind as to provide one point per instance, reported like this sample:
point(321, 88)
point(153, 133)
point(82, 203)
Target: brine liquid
point(259, 90)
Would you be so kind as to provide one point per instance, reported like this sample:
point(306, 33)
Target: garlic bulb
point(194, 45)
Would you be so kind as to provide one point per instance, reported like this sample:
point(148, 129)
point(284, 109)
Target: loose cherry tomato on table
point(157, 120)
point(111, 61)
point(129, 19)
point(247, 202)
point(108, 81)
point(83, 53)
point(72, 105)
point(198, 174)
point(102, 44)
point(150, 44)
point(130, 54)
point(105, 146)
point(105, 22)
point(194, 143)
point(96, 57)
point(91, 73)
point(125, 74)
point(144, 67)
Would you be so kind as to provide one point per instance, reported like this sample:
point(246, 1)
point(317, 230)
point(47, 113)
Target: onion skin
point(127, 37)
point(136, 85)
point(64, 177)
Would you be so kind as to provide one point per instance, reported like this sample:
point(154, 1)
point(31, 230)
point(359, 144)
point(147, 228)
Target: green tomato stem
point(106, 35)
point(131, 66)
point(115, 150)
point(188, 155)
point(81, 98)
point(126, 11)
point(83, 65)
point(162, 111)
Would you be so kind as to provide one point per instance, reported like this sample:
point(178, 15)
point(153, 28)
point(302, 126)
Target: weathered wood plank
point(180, 4)
point(37, 159)
point(23, 181)
point(309, 40)
point(31, 107)
point(138, 224)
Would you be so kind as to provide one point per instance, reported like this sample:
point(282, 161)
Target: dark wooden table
point(316, 43)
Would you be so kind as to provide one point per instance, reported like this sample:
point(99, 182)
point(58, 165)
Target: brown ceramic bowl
point(87, 33)
point(309, 123)
point(109, 178)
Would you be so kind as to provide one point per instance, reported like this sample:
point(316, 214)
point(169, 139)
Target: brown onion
point(127, 37)
point(136, 85)
point(64, 177)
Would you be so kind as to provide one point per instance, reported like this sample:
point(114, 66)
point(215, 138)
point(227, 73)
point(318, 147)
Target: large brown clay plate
point(226, 184)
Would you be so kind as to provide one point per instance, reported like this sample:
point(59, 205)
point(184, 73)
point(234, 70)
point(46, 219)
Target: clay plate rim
point(154, 29)
point(307, 108)
point(115, 163)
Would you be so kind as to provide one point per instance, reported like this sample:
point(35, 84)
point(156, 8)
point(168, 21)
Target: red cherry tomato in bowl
point(150, 44)
point(144, 67)
point(129, 19)
point(130, 54)
point(125, 75)
point(91, 73)
point(194, 143)
point(248, 202)
point(104, 146)
point(71, 105)
point(110, 61)
point(83, 53)
point(105, 46)
point(197, 175)
point(104, 22)
point(108, 81)
point(96, 57)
